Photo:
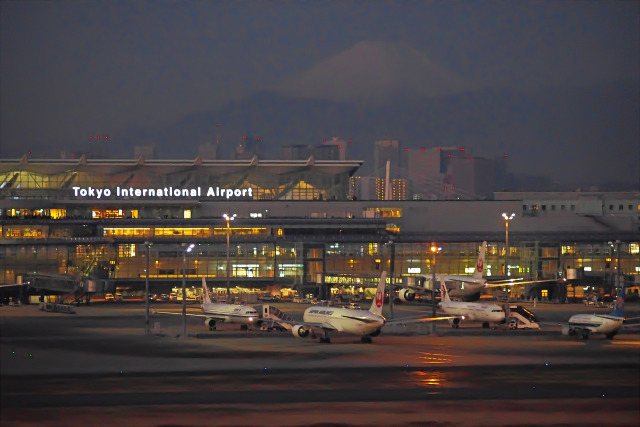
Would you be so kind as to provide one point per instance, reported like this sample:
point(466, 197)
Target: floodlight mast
point(507, 218)
point(229, 218)
point(185, 249)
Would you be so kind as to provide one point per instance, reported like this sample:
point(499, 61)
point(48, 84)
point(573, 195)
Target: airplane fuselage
point(231, 313)
point(595, 323)
point(474, 311)
point(345, 320)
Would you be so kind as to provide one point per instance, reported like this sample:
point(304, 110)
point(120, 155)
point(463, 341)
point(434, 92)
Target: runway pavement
point(100, 363)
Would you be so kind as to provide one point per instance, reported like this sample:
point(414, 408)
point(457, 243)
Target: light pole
point(146, 289)
point(185, 250)
point(434, 251)
point(507, 218)
point(228, 218)
point(392, 291)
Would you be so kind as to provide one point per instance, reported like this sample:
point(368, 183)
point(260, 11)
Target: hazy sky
point(75, 68)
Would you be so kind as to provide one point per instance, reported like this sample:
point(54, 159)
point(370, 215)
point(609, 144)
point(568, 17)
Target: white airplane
point(607, 324)
point(460, 286)
point(468, 285)
point(478, 311)
point(363, 323)
point(214, 312)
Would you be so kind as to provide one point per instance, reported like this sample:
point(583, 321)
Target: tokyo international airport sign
point(161, 193)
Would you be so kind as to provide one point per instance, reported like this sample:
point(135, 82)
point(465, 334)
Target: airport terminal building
point(293, 225)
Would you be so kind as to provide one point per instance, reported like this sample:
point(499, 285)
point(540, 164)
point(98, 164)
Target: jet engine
point(406, 295)
point(211, 323)
point(300, 331)
point(455, 322)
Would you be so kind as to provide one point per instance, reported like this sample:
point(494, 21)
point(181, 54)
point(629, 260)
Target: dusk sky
point(70, 69)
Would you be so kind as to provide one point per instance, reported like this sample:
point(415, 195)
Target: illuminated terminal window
point(127, 251)
point(128, 232)
point(107, 213)
point(37, 213)
point(382, 212)
point(187, 213)
point(24, 232)
point(250, 231)
point(58, 213)
point(180, 231)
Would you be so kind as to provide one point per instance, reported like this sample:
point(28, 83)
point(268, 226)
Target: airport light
point(146, 289)
point(185, 250)
point(434, 251)
point(507, 218)
point(392, 262)
point(228, 218)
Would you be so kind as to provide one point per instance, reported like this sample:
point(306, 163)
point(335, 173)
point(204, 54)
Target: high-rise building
point(366, 188)
point(387, 150)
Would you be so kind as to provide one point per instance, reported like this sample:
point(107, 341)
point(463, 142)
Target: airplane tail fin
point(619, 309)
point(444, 294)
point(205, 293)
point(378, 299)
point(479, 271)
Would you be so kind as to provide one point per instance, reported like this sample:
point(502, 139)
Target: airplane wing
point(631, 322)
point(511, 282)
point(408, 320)
point(187, 314)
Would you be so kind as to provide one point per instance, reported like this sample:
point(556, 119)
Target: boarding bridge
point(71, 286)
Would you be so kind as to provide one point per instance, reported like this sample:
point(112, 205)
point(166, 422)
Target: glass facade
point(293, 264)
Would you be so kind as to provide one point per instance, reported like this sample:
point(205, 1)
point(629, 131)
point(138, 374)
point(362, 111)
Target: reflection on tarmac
point(434, 358)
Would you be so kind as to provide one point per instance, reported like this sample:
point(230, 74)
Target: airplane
point(470, 286)
point(607, 324)
point(483, 312)
point(354, 321)
point(461, 286)
point(214, 312)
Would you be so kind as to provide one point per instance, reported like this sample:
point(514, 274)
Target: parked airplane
point(607, 324)
point(464, 286)
point(214, 312)
point(482, 312)
point(460, 286)
point(363, 323)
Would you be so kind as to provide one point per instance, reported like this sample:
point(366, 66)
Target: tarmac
point(99, 367)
